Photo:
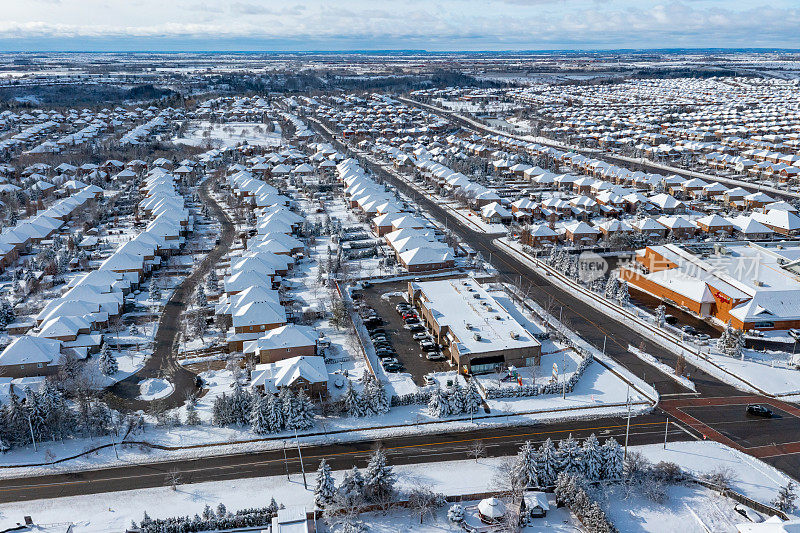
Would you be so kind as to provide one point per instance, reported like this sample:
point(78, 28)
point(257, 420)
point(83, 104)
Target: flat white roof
point(477, 320)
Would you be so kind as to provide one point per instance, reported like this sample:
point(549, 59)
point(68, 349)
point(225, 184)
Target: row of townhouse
point(285, 353)
point(73, 322)
point(412, 239)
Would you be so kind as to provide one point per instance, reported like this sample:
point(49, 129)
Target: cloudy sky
point(409, 24)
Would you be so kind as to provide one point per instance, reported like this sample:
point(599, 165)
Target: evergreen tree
point(277, 419)
point(612, 460)
point(527, 464)
point(208, 513)
point(438, 405)
point(241, 401)
point(212, 283)
point(192, 418)
point(17, 421)
point(325, 489)
point(302, 416)
point(547, 463)
point(611, 288)
point(289, 401)
point(592, 458)
point(379, 478)
point(352, 487)
point(7, 314)
point(786, 498)
point(380, 399)
point(221, 411)
point(455, 399)
point(259, 415)
point(623, 296)
point(472, 398)
point(155, 290)
point(108, 363)
point(351, 400)
point(200, 299)
point(571, 456)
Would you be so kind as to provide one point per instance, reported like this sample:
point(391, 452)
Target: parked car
point(429, 380)
point(373, 322)
point(377, 331)
point(412, 320)
point(671, 320)
point(392, 367)
point(434, 356)
point(379, 338)
point(416, 328)
point(759, 410)
point(402, 307)
point(689, 330)
point(410, 315)
point(418, 336)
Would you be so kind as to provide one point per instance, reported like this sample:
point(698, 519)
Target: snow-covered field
point(229, 134)
point(114, 511)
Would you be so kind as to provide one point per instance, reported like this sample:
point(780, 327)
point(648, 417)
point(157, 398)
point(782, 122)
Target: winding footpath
point(163, 363)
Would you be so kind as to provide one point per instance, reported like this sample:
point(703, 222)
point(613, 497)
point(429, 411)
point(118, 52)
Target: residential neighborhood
point(396, 290)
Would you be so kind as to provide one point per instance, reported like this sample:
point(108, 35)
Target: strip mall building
point(752, 285)
point(478, 332)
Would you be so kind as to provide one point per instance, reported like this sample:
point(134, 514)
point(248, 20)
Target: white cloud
point(448, 24)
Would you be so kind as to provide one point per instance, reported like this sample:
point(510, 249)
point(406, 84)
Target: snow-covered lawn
point(114, 511)
point(696, 508)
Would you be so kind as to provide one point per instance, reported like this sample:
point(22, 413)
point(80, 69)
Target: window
point(39, 365)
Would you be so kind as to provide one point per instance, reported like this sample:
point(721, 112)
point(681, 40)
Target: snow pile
point(154, 389)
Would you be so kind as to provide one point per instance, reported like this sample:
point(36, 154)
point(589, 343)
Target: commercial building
point(475, 330)
point(752, 285)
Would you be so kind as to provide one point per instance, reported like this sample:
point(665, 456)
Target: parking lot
point(409, 351)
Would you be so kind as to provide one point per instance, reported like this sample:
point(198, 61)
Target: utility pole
point(604, 344)
point(666, 430)
point(628, 426)
point(300, 455)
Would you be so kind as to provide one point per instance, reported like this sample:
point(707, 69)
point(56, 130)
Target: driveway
point(163, 363)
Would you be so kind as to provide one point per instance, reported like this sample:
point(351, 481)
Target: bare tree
point(477, 450)
point(342, 514)
point(173, 479)
point(423, 502)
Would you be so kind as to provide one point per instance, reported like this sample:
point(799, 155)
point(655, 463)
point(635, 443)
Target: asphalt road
point(647, 429)
point(163, 362)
